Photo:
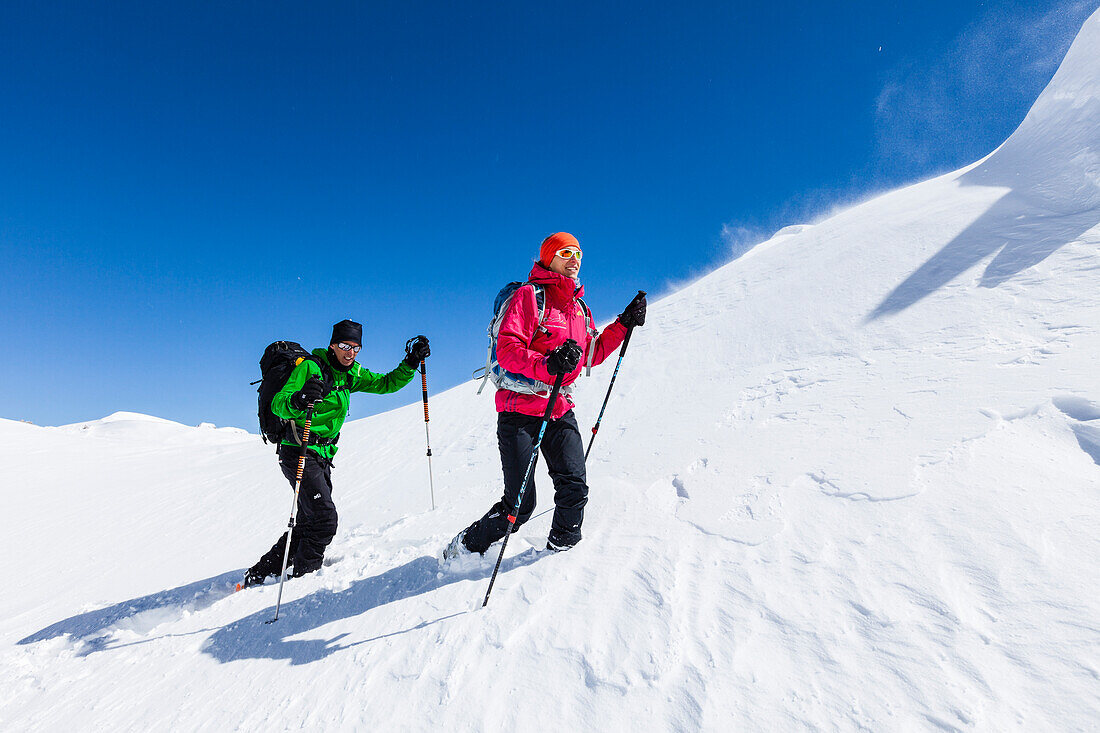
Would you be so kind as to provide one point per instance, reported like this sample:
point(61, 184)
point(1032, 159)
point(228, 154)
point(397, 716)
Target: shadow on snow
point(251, 638)
point(146, 611)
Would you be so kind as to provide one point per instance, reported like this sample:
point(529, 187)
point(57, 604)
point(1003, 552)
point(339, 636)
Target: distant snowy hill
point(849, 481)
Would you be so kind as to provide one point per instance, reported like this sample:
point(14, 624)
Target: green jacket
point(329, 413)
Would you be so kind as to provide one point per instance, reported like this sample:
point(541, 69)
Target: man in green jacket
point(325, 381)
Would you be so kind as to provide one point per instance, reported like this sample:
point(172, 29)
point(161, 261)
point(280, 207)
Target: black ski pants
point(315, 524)
point(563, 449)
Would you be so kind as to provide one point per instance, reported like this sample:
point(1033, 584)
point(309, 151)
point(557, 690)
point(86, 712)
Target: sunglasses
point(348, 347)
point(565, 254)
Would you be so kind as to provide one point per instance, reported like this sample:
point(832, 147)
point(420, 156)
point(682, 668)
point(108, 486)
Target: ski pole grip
point(424, 385)
point(308, 426)
point(629, 331)
point(553, 397)
point(306, 429)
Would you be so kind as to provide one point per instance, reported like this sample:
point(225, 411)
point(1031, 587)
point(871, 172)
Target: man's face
point(569, 265)
point(345, 352)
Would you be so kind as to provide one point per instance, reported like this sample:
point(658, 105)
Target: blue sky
point(181, 184)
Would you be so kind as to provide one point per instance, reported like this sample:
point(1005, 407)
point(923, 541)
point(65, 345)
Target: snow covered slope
point(848, 481)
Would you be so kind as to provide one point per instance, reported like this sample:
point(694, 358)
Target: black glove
point(565, 358)
point(634, 315)
point(312, 391)
point(416, 351)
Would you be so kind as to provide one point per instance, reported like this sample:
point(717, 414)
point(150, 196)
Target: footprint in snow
point(706, 500)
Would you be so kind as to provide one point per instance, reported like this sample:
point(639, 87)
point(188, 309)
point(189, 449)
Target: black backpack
point(276, 364)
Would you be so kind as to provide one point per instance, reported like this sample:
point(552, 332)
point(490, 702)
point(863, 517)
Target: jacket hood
point(562, 289)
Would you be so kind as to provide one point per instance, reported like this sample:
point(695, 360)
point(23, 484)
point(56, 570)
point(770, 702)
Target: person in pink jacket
point(562, 344)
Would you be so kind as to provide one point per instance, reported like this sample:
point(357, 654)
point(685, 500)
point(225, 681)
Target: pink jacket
point(522, 346)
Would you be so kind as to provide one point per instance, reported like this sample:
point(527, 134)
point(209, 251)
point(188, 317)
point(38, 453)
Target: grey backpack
point(501, 377)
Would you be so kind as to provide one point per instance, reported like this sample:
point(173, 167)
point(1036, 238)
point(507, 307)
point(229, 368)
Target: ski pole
point(526, 477)
point(427, 436)
point(619, 363)
point(294, 508)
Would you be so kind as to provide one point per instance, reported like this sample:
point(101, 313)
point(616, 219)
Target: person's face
point(345, 352)
point(569, 265)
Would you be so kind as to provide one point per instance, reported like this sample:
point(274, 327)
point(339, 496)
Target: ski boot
point(557, 545)
point(251, 577)
point(457, 547)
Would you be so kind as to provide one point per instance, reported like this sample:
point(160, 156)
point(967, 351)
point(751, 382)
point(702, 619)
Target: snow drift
point(848, 481)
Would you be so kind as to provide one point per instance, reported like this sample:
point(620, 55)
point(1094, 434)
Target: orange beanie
point(553, 243)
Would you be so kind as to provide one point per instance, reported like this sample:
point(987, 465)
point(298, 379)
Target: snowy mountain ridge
point(848, 481)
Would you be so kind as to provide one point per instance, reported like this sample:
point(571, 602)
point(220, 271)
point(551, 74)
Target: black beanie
point(347, 331)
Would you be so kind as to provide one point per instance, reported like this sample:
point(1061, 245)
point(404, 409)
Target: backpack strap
point(591, 332)
point(540, 303)
point(313, 437)
point(328, 377)
point(328, 380)
point(488, 366)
